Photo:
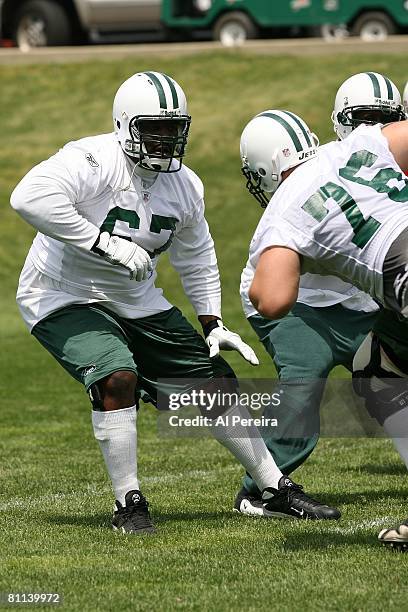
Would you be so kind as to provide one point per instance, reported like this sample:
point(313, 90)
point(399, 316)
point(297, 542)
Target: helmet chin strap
point(145, 174)
point(148, 177)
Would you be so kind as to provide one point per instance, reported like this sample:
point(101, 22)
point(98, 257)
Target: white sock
point(247, 445)
point(396, 427)
point(115, 431)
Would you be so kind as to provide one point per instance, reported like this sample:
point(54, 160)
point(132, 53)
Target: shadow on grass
point(389, 469)
point(322, 541)
point(100, 520)
point(361, 497)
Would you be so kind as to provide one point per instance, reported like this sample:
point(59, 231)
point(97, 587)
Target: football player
point(331, 317)
point(339, 209)
point(105, 207)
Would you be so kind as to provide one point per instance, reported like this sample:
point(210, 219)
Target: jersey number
point(131, 217)
point(363, 229)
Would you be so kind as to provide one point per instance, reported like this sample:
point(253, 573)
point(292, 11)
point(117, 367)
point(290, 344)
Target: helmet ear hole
point(118, 124)
point(262, 171)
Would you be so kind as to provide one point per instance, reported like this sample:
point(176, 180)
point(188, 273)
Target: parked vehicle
point(37, 23)
point(234, 21)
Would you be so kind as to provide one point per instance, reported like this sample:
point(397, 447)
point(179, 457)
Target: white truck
point(39, 23)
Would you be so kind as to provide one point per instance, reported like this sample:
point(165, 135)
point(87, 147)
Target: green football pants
point(305, 345)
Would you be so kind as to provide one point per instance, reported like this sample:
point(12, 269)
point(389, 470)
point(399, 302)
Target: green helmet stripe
point(288, 128)
point(376, 84)
point(389, 89)
point(173, 91)
point(302, 127)
point(159, 87)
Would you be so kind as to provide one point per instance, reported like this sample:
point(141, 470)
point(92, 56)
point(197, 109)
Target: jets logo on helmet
point(151, 121)
point(272, 142)
point(367, 97)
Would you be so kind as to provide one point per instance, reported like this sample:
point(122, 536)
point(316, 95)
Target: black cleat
point(248, 504)
point(134, 517)
point(395, 538)
point(290, 501)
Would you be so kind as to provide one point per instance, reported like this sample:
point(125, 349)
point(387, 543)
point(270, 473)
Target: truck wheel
point(330, 32)
point(41, 23)
point(234, 28)
point(373, 26)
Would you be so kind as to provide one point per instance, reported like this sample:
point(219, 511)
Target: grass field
point(55, 499)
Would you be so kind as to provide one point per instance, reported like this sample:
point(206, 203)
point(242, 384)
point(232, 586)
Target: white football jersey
point(341, 211)
point(87, 187)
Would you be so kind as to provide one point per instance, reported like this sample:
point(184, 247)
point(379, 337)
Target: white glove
point(121, 252)
point(222, 338)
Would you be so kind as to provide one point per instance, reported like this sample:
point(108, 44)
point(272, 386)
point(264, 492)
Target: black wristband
point(94, 247)
point(208, 327)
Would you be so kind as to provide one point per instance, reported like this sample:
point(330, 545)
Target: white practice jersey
point(88, 187)
point(340, 211)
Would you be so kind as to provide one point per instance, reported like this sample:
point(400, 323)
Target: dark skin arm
point(204, 319)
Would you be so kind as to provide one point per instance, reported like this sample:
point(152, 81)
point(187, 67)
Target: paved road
point(307, 46)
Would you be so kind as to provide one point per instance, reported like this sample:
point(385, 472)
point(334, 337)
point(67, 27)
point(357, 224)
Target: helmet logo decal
point(286, 152)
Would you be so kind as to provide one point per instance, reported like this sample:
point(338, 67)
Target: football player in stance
point(105, 207)
point(330, 318)
point(339, 209)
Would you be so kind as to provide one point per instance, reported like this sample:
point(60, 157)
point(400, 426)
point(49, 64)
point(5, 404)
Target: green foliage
point(55, 499)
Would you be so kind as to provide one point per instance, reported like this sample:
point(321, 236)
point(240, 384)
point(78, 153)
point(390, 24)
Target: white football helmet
point(151, 122)
point(367, 97)
point(271, 143)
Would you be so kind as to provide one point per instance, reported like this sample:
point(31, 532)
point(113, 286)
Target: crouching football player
point(340, 209)
point(105, 207)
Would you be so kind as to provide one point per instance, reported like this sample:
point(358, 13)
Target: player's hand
point(222, 338)
point(121, 252)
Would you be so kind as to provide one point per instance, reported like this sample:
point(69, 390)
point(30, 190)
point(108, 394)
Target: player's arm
point(397, 136)
point(192, 254)
point(46, 198)
point(274, 289)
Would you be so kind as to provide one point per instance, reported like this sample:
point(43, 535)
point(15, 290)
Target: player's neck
point(148, 177)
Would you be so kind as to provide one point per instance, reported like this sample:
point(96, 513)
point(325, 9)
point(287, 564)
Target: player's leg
point(167, 345)
point(383, 360)
point(305, 346)
point(381, 376)
point(302, 355)
point(92, 347)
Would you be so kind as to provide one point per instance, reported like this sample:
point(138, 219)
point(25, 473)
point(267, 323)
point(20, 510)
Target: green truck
point(234, 21)
point(36, 23)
